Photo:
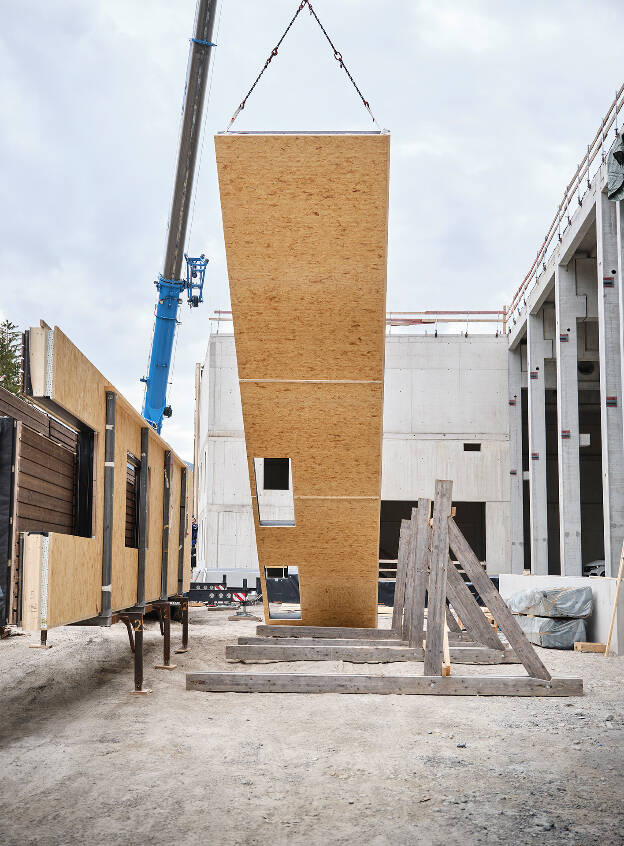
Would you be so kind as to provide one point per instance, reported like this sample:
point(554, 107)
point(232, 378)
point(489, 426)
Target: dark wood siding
point(45, 485)
point(132, 487)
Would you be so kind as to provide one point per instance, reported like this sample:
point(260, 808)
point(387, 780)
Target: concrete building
point(445, 416)
point(528, 424)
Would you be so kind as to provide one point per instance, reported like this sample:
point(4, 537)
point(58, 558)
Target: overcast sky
point(490, 104)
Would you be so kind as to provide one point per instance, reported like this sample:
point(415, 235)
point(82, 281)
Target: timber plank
point(411, 685)
point(421, 557)
point(36, 512)
point(410, 576)
point(63, 464)
point(353, 654)
point(13, 406)
point(37, 485)
point(326, 631)
point(468, 608)
point(39, 472)
point(495, 603)
point(436, 606)
point(27, 524)
point(451, 622)
point(401, 574)
point(50, 503)
point(248, 640)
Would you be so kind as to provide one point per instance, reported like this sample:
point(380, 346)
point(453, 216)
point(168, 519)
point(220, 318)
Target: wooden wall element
point(67, 568)
point(305, 224)
point(43, 497)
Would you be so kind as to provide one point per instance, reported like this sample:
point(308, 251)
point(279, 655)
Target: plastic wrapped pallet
point(552, 633)
point(558, 602)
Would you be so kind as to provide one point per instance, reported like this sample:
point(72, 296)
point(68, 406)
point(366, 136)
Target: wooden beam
point(355, 654)
point(421, 572)
point(436, 605)
point(410, 577)
point(327, 631)
point(469, 610)
point(354, 683)
point(401, 574)
point(495, 603)
point(451, 622)
point(369, 652)
point(250, 640)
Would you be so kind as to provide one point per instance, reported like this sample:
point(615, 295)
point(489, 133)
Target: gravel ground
point(82, 760)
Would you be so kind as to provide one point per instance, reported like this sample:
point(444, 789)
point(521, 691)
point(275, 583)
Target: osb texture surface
point(305, 219)
point(331, 432)
point(75, 563)
point(305, 223)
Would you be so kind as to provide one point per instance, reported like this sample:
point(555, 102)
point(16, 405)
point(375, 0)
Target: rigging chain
point(337, 56)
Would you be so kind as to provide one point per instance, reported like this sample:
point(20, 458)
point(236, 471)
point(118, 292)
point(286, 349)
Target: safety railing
point(572, 200)
point(420, 318)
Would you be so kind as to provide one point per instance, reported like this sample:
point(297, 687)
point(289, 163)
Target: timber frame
point(424, 564)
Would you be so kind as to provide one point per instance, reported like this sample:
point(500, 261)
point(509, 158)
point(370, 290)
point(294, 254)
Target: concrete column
point(568, 307)
point(516, 528)
point(538, 349)
point(609, 284)
point(497, 537)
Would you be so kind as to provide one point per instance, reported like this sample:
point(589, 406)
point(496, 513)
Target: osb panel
point(331, 432)
point(305, 224)
point(74, 579)
point(335, 545)
point(75, 564)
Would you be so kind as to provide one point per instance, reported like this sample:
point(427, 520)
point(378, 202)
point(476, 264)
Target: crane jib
point(170, 285)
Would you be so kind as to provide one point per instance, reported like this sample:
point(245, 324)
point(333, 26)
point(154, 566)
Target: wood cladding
point(305, 225)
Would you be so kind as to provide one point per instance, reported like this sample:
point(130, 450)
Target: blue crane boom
point(170, 284)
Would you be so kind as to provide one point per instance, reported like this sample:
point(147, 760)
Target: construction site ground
point(84, 761)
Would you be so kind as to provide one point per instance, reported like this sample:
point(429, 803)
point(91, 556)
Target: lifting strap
point(337, 56)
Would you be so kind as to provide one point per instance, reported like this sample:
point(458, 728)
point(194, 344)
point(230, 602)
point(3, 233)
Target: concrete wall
point(439, 394)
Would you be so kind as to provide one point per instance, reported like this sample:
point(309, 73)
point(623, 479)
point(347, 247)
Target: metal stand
point(43, 642)
point(164, 609)
point(134, 625)
point(184, 607)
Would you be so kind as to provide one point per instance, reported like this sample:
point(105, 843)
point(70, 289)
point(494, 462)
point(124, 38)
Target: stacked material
point(553, 618)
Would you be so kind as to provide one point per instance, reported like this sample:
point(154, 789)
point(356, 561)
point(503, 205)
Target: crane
point(170, 284)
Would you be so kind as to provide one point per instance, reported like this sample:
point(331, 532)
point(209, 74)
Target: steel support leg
point(134, 621)
point(164, 609)
point(184, 609)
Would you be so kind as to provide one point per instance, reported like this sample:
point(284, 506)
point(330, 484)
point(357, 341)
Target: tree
point(10, 356)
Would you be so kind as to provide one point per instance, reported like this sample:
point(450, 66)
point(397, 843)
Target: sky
point(490, 105)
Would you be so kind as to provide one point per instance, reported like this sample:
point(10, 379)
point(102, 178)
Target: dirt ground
point(83, 761)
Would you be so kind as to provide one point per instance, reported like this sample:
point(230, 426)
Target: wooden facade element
point(305, 225)
point(41, 456)
point(64, 573)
